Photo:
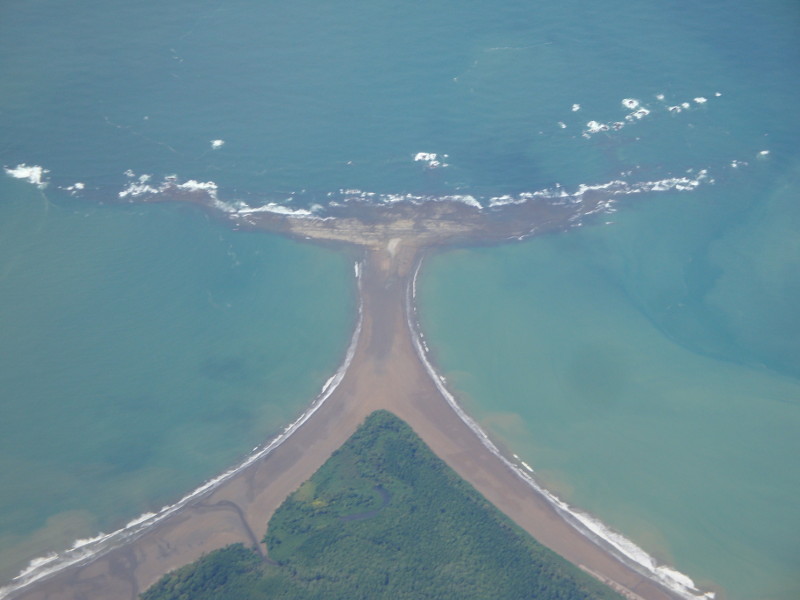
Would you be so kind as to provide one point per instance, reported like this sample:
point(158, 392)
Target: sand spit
point(386, 367)
point(385, 372)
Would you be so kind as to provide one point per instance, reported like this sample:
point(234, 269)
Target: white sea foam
point(74, 188)
point(764, 153)
point(347, 196)
point(141, 186)
point(34, 174)
point(140, 519)
point(279, 209)
point(595, 127)
point(198, 186)
point(87, 549)
point(576, 107)
point(83, 542)
point(208, 187)
point(616, 187)
point(135, 190)
point(35, 564)
point(639, 113)
point(625, 549)
point(431, 159)
point(328, 383)
point(217, 144)
point(138, 186)
point(466, 199)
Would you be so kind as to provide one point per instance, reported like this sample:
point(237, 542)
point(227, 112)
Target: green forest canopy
point(384, 518)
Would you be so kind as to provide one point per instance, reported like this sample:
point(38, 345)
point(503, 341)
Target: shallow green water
point(145, 349)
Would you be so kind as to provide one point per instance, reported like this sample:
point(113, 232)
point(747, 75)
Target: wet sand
point(385, 373)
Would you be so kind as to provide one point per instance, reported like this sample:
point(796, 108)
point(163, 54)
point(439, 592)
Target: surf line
point(85, 550)
point(624, 549)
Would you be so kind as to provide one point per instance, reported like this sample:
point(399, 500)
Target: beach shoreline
point(387, 368)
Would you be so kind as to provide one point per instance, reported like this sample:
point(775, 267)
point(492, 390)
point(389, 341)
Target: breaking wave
point(636, 111)
point(34, 174)
point(142, 188)
point(617, 187)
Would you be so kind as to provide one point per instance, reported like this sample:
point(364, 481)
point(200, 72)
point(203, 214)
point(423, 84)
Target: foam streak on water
point(620, 546)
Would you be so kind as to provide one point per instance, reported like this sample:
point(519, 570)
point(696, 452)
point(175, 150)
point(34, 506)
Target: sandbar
point(385, 372)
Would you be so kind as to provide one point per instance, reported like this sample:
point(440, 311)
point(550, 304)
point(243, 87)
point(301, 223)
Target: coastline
point(84, 551)
point(593, 528)
point(385, 367)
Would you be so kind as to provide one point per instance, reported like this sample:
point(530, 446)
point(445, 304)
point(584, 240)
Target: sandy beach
point(386, 372)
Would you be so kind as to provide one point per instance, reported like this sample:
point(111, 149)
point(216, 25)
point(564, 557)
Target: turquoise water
point(623, 412)
point(144, 350)
point(663, 346)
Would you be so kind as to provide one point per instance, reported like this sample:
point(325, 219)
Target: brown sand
point(385, 373)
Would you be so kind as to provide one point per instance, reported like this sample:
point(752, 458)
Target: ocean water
point(144, 350)
point(645, 364)
point(670, 429)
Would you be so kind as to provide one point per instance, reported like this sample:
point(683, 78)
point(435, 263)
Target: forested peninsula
point(384, 518)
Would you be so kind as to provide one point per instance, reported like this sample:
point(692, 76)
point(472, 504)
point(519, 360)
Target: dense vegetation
point(384, 518)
